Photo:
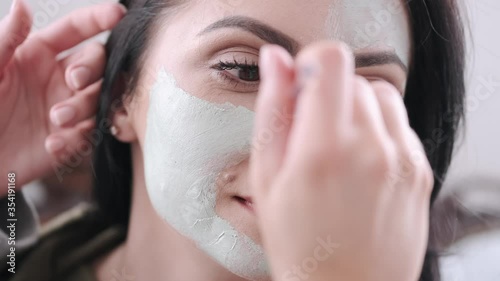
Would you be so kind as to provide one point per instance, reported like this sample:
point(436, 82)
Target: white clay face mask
point(189, 142)
point(371, 24)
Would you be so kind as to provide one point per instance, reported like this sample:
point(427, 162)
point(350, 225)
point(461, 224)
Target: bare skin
point(34, 85)
point(348, 136)
point(346, 117)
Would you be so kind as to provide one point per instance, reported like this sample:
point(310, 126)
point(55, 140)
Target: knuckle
point(388, 95)
point(407, 167)
point(99, 23)
point(428, 180)
point(379, 159)
point(361, 84)
point(383, 87)
point(386, 163)
point(416, 142)
point(416, 157)
point(10, 46)
point(418, 172)
point(15, 40)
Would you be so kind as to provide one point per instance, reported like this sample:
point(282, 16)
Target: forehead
point(363, 24)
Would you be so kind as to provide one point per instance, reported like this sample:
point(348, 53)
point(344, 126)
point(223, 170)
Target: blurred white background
point(478, 154)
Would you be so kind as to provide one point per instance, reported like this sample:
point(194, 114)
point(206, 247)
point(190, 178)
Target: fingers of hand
point(413, 167)
point(81, 25)
point(325, 73)
point(393, 110)
point(14, 29)
point(274, 109)
point(367, 113)
point(75, 140)
point(332, 106)
point(85, 67)
point(77, 108)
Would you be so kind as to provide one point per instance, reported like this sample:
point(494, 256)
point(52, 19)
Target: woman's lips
point(246, 202)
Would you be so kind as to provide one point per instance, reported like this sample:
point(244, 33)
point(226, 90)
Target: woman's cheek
point(188, 143)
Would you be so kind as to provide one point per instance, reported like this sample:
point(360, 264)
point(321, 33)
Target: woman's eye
point(244, 72)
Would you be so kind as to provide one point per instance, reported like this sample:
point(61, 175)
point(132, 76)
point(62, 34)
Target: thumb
point(274, 114)
point(14, 29)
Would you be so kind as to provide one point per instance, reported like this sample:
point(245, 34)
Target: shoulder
point(67, 244)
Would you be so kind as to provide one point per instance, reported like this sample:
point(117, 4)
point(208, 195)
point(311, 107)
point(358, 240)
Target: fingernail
point(80, 77)
point(305, 72)
point(54, 144)
point(62, 115)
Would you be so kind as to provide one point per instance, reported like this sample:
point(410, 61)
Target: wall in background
point(479, 154)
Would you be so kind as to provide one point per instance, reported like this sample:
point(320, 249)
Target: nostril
point(244, 201)
point(240, 199)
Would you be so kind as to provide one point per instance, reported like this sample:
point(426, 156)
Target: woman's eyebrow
point(259, 29)
point(379, 58)
point(273, 36)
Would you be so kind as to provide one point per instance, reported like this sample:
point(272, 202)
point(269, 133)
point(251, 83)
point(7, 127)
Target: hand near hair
point(342, 187)
point(46, 103)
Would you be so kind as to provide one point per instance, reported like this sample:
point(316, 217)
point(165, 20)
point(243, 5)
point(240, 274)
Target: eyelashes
point(239, 73)
point(246, 76)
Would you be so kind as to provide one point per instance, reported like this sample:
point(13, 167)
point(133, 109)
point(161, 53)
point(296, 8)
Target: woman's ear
point(122, 128)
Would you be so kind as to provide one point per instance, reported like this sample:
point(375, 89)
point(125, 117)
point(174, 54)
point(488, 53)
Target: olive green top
point(67, 247)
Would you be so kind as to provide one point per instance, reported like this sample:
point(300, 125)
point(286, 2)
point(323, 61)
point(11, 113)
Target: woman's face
point(193, 111)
